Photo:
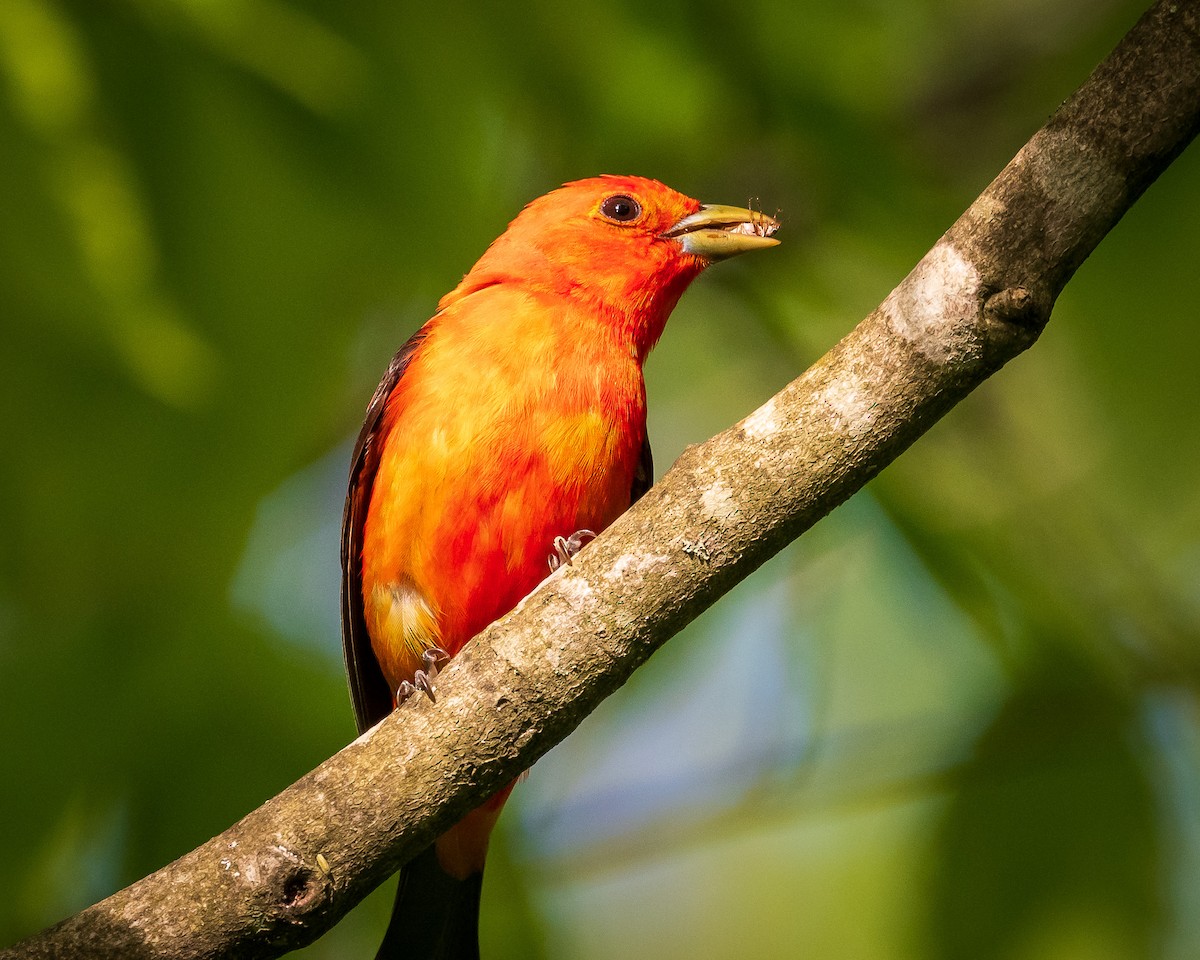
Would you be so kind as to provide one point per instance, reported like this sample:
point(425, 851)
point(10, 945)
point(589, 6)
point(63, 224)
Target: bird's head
point(626, 246)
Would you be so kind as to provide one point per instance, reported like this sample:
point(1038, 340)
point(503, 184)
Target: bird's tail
point(436, 913)
point(435, 916)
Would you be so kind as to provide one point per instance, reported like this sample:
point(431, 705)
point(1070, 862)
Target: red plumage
point(516, 415)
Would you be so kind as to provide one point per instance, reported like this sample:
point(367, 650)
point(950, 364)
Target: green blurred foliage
point(957, 720)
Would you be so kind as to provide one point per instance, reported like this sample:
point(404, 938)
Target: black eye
point(621, 208)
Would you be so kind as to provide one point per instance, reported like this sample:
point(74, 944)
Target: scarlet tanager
point(507, 429)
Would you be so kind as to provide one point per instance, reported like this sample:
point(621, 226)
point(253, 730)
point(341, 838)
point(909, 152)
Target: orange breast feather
point(514, 423)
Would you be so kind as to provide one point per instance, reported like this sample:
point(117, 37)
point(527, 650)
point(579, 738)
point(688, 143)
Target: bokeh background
point(957, 720)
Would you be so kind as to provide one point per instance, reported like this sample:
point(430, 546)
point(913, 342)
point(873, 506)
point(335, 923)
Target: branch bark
point(289, 870)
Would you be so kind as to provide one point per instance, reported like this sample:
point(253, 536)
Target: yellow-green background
point(958, 720)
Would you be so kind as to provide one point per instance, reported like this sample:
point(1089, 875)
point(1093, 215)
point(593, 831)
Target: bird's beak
point(715, 232)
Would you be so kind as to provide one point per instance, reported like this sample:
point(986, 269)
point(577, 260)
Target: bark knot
point(295, 887)
point(1016, 306)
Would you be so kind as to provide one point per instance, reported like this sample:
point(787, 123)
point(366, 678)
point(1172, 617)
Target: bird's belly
point(456, 537)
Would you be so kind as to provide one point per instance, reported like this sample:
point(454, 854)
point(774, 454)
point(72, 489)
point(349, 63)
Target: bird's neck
point(630, 306)
point(633, 309)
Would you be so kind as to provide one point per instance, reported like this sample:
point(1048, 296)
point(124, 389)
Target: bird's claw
point(566, 547)
point(422, 680)
point(433, 658)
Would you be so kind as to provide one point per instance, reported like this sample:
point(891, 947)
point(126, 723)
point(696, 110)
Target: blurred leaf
point(1049, 846)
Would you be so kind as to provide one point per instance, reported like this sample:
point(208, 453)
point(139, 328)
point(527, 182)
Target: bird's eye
point(621, 208)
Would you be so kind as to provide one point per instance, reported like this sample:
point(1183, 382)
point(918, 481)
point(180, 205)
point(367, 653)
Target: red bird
point(508, 428)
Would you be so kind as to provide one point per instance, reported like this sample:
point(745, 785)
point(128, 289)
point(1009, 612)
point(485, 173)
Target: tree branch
point(289, 870)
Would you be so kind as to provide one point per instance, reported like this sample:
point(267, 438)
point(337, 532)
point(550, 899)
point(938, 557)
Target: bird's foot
point(566, 547)
point(423, 679)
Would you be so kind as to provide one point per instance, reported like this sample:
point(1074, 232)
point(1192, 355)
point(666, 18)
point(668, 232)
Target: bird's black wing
point(643, 477)
point(369, 691)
